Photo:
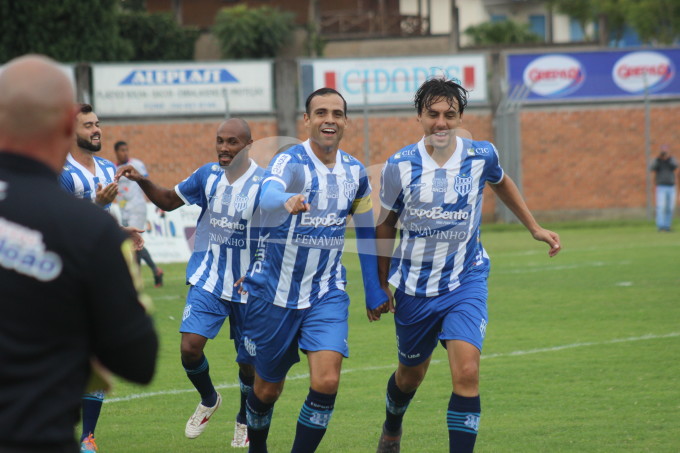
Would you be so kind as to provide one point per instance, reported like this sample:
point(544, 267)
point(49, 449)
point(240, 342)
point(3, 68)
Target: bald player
point(65, 271)
point(226, 192)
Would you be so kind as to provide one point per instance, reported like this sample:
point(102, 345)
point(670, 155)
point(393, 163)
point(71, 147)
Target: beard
point(82, 143)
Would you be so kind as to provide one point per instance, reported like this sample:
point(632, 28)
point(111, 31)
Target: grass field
point(582, 354)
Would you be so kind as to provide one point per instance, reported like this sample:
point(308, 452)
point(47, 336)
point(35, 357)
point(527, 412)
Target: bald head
point(233, 136)
point(36, 104)
point(238, 125)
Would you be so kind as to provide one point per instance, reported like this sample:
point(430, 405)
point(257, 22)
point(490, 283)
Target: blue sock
point(246, 385)
point(462, 419)
point(313, 420)
point(396, 403)
point(259, 416)
point(92, 407)
point(199, 374)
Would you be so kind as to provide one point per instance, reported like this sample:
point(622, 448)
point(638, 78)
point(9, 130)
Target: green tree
point(252, 32)
point(504, 32)
point(655, 20)
point(66, 30)
point(157, 37)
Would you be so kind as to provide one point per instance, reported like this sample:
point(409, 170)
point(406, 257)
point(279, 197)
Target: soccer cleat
point(240, 435)
point(389, 443)
point(200, 419)
point(158, 278)
point(88, 445)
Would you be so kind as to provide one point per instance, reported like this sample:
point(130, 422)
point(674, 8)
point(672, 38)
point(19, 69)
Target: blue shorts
point(272, 334)
point(422, 321)
point(204, 314)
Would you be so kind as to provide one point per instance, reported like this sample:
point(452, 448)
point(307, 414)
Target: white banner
point(148, 89)
point(169, 236)
point(391, 81)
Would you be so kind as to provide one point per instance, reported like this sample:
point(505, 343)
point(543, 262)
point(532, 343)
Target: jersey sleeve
point(391, 191)
point(192, 189)
point(362, 203)
point(495, 171)
point(141, 168)
point(283, 168)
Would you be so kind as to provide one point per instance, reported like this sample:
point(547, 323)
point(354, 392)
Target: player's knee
point(268, 393)
point(190, 351)
point(410, 379)
point(326, 384)
point(466, 376)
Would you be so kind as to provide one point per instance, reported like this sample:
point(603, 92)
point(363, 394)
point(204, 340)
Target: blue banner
point(596, 75)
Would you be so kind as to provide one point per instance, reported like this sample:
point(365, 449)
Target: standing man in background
point(66, 272)
point(664, 167)
point(432, 191)
point(226, 192)
point(132, 205)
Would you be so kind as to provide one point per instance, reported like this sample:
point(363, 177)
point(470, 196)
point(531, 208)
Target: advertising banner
point(169, 236)
point(596, 75)
point(391, 81)
point(149, 89)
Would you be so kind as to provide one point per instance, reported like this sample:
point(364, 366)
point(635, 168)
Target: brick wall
point(577, 162)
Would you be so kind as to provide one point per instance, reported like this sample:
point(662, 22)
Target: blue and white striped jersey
point(78, 180)
point(440, 210)
point(298, 256)
point(222, 246)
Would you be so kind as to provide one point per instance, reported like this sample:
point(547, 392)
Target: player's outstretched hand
point(106, 195)
point(129, 172)
point(387, 307)
point(136, 236)
point(297, 204)
point(551, 238)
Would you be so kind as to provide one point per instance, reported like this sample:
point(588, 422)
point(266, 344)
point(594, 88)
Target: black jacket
point(66, 294)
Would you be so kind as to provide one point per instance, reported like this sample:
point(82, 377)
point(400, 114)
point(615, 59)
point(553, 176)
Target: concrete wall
point(579, 162)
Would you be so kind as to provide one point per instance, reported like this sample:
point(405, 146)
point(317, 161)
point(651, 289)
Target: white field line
point(542, 268)
point(650, 336)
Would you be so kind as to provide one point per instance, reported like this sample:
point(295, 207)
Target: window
point(575, 31)
point(537, 24)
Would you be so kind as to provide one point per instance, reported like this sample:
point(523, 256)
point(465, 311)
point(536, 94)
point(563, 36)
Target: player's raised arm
point(166, 199)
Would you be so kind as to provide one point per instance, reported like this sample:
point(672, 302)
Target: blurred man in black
point(67, 292)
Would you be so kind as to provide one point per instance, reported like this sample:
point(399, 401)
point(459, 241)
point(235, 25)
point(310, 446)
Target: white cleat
point(240, 436)
point(200, 419)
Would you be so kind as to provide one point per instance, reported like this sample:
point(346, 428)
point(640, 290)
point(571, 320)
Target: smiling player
point(432, 191)
point(226, 192)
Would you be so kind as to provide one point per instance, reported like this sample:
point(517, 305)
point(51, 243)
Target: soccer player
point(132, 204)
point(432, 191)
point(90, 177)
point(65, 272)
point(226, 192)
point(296, 281)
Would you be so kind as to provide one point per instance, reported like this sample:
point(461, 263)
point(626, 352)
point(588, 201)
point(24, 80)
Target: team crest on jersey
point(350, 189)
point(462, 184)
point(241, 202)
point(346, 158)
point(332, 191)
point(439, 185)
